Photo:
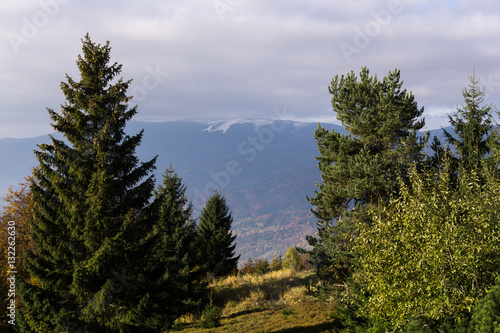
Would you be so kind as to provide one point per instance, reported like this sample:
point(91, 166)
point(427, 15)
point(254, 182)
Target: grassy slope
point(275, 302)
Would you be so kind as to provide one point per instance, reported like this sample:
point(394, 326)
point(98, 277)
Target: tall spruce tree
point(360, 168)
point(473, 126)
point(216, 237)
point(91, 196)
point(176, 260)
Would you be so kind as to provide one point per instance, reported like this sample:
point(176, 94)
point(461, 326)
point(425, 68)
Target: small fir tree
point(176, 262)
point(216, 236)
point(261, 266)
point(473, 126)
point(487, 311)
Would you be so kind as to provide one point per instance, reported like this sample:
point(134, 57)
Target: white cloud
point(260, 56)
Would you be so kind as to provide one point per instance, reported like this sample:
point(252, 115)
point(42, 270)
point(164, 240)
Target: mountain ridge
point(265, 168)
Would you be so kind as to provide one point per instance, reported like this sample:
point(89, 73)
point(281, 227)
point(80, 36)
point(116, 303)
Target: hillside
point(278, 301)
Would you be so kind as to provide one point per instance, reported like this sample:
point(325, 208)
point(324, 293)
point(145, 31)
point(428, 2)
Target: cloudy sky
point(225, 59)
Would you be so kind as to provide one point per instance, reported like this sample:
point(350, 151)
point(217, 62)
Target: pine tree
point(361, 168)
point(472, 125)
point(216, 236)
point(91, 199)
point(176, 262)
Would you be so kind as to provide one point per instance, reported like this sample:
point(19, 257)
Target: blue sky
point(226, 59)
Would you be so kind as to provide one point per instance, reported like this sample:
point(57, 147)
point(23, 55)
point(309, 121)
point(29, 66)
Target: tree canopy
point(91, 198)
point(426, 253)
point(433, 252)
point(473, 126)
point(216, 236)
point(175, 264)
point(361, 168)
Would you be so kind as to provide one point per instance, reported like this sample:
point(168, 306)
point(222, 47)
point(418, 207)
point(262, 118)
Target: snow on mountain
point(225, 125)
point(265, 168)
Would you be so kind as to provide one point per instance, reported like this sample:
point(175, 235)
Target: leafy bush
point(432, 253)
point(287, 312)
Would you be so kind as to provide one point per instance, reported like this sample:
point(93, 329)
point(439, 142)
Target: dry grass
point(273, 302)
point(311, 317)
point(250, 292)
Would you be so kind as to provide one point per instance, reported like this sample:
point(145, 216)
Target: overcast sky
point(225, 59)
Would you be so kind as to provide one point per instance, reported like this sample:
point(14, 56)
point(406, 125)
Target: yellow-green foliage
point(292, 259)
point(433, 252)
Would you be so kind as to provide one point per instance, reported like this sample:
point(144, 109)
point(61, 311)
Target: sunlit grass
point(279, 300)
point(250, 292)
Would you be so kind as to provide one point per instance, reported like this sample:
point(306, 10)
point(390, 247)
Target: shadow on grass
point(242, 313)
point(319, 328)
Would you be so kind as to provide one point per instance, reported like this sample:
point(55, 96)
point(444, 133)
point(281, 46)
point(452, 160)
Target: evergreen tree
point(91, 195)
point(487, 311)
point(360, 168)
point(472, 125)
point(438, 152)
point(216, 236)
point(276, 263)
point(176, 262)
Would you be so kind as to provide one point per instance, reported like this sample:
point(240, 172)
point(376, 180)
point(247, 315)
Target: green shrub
point(210, 317)
point(432, 253)
point(287, 312)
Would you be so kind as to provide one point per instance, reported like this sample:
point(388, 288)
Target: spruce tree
point(361, 168)
point(176, 260)
point(439, 153)
point(216, 237)
point(91, 195)
point(473, 126)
